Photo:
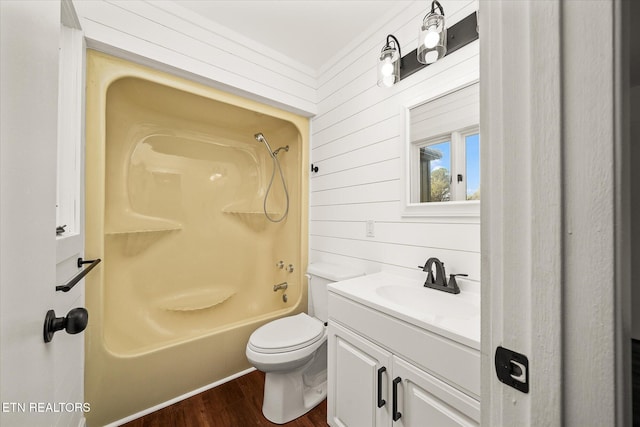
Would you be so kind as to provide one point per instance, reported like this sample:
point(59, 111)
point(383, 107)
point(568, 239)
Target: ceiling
point(309, 31)
point(313, 31)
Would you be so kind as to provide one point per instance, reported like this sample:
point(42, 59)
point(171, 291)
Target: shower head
point(260, 137)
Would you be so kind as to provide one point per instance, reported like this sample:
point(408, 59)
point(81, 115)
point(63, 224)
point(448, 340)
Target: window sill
point(462, 211)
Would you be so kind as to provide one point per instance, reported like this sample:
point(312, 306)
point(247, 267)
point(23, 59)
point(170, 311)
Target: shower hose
point(276, 162)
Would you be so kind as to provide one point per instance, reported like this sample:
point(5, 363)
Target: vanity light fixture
point(432, 41)
point(435, 42)
point(389, 63)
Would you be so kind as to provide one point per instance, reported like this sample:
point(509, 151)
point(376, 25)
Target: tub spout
point(279, 286)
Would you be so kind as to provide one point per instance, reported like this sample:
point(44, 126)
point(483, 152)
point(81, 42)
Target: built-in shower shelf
point(148, 230)
point(252, 213)
point(128, 222)
point(134, 241)
point(195, 300)
point(256, 220)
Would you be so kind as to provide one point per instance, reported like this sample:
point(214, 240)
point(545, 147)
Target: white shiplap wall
point(357, 144)
point(169, 37)
point(356, 130)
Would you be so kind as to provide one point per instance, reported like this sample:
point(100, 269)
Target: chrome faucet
point(439, 282)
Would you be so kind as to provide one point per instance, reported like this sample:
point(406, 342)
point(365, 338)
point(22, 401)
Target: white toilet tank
point(320, 275)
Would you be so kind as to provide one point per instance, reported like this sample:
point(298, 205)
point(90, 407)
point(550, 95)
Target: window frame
point(71, 129)
point(453, 210)
point(416, 163)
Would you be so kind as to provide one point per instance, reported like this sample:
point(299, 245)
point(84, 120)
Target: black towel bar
point(67, 287)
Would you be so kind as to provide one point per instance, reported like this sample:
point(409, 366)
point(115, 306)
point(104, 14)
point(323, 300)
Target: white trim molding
point(551, 191)
point(522, 217)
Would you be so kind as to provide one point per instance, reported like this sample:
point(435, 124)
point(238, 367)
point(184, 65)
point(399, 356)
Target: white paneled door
point(41, 93)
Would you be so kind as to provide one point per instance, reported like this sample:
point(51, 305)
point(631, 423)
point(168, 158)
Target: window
point(443, 178)
point(443, 155)
point(472, 167)
point(435, 172)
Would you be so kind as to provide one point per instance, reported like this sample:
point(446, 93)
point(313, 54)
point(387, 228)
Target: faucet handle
point(453, 284)
point(279, 286)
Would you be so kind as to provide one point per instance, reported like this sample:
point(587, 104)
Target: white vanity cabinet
point(359, 373)
point(384, 371)
point(427, 401)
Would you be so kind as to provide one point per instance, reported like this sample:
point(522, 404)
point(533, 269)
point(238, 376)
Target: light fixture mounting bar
point(458, 35)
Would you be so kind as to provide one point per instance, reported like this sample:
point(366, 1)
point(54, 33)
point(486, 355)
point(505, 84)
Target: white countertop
point(456, 317)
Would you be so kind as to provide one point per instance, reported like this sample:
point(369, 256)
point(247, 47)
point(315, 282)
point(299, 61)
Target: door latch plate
point(512, 369)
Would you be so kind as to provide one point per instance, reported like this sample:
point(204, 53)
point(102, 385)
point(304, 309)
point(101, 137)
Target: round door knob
point(74, 323)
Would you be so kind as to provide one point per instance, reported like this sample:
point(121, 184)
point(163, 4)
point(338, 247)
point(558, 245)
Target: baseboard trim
point(179, 398)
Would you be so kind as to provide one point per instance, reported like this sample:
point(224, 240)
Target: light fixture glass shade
point(432, 41)
point(388, 66)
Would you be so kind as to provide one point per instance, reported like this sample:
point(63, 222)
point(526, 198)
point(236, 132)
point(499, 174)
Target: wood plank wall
point(171, 38)
point(357, 144)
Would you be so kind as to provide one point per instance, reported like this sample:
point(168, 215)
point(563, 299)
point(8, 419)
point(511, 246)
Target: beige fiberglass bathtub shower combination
point(179, 184)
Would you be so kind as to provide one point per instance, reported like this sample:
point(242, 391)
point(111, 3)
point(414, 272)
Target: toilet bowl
point(286, 343)
point(292, 351)
point(286, 350)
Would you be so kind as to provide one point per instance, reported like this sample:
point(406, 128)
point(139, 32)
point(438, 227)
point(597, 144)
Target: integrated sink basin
point(425, 304)
point(455, 316)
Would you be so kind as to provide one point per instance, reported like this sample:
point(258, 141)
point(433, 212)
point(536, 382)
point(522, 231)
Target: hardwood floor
point(237, 403)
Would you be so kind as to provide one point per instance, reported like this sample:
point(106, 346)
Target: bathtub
point(175, 183)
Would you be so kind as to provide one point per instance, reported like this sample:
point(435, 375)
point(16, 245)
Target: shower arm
point(260, 137)
point(285, 148)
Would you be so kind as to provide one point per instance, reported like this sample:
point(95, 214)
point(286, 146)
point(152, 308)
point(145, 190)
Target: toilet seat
point(286, 334)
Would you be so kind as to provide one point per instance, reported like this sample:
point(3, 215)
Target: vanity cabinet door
point(359, 381)
point(424, 400)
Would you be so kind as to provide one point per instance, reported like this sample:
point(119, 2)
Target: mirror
point(442, 155)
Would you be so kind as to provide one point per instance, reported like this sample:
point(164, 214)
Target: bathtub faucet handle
point(279, 286)
point(280, 264)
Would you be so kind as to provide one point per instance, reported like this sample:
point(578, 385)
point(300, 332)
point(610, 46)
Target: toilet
point(292, 350)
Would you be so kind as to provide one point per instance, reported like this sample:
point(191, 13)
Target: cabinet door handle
point(396, 414)
point(381, 401)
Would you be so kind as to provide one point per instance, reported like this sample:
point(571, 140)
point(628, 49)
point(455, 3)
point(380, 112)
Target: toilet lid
point(287, 334)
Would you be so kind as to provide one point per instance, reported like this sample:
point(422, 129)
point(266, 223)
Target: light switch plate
point(371, 228)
